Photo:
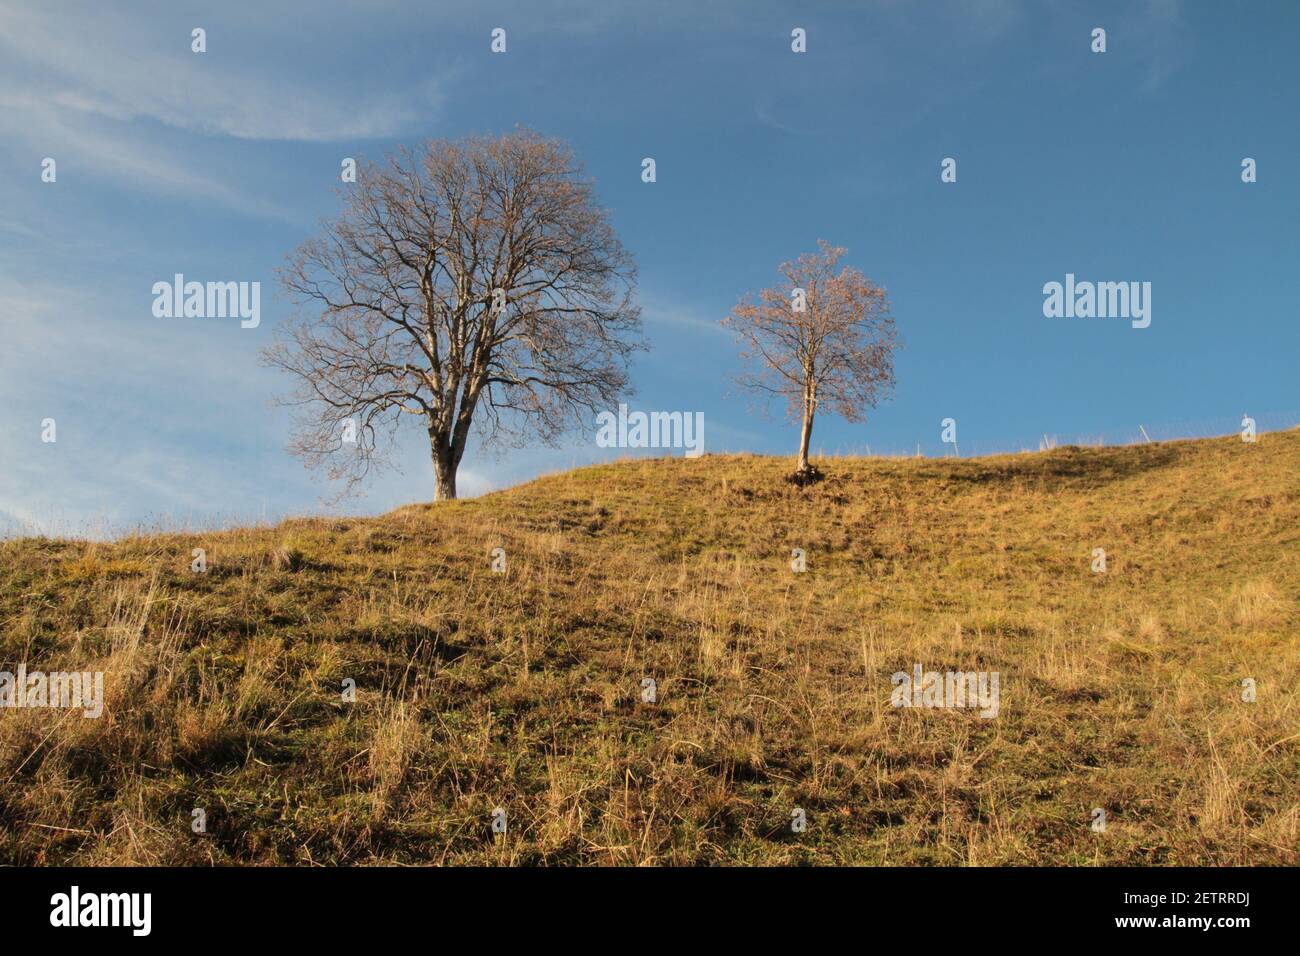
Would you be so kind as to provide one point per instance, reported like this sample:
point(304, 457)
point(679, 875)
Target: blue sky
point(1122, 166)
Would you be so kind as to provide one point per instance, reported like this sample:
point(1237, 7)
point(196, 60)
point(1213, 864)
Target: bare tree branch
point(834, 346)
point(462, 276)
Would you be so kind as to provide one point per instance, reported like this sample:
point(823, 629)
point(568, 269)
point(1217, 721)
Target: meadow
point(522, 690)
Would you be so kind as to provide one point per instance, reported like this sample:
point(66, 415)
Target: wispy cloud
point(1167, 39)
point(89, 59)
point(115, 154)
point(656, 314)
point(141, 413)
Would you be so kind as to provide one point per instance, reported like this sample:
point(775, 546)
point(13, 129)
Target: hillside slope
point(522, 690)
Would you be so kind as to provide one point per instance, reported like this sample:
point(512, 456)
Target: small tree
point(819, 338)
point(464, 283)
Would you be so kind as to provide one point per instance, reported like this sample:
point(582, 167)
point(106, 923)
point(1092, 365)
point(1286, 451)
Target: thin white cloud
point(1167, 40)
point(90, 59)
point(660, 315)
point(115, 154)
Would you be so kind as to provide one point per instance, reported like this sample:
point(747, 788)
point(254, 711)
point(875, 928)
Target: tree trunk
point(444, 475)
point(805, 436)
point(444, 470)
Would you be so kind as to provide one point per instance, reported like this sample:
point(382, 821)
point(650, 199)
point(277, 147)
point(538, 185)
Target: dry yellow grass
point(522, 690)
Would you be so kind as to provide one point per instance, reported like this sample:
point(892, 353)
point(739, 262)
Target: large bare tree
point(472, 282)
point(819, 338)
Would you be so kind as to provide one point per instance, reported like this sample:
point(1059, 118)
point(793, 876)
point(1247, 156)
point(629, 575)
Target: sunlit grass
point(522, 690)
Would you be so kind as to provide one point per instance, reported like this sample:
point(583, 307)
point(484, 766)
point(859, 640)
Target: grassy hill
point(522, 690)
